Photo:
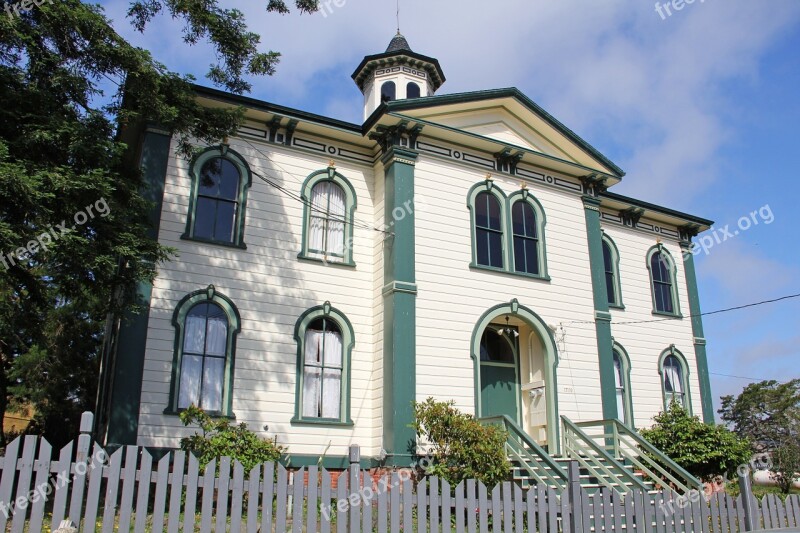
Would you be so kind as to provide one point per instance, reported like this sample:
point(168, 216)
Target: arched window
point(675, 378)
point(622, 382)
point(611, 266)
point(412, 90)
point(206, 325)
point(388, 92)
point(489, 230)
point(325, 340)
point(526, 238)
point(220, 180)
point(329, 206)
point(662, 278)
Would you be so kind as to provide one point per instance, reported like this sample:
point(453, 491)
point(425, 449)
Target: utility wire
point(727, 310)
point(737, 377)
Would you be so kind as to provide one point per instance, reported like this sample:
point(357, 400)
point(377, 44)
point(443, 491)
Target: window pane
point(219, 178)
point(607, 257)
point(226, 217)
point(524, 219)
point(388, 91)
point(217, 336)
point(412, 90)
point(532, 256)
point(519, 254)
point(610, 289)
point(204, 215)
point(482, 243)
point(213, 372)
point(495, 347)
point(331, 390)
point(496, 249)
point(194, 337)
point(189, 392)
point(482, 210)
point(311, 391)
point(494, 212)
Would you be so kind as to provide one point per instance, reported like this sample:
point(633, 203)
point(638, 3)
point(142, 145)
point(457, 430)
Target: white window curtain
point(217, 336)
point(620, 386)
point(332, 389)
point(336, 220)
point(673, 384)
point(203, 337)
point(194, 340)
point(191, 368)
point(311, 373)
point(319, 206)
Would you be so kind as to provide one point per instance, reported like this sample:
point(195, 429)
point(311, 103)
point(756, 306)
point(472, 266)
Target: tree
point(461, 448)
point(704, 450)
point(63, 152)
point(768, 413)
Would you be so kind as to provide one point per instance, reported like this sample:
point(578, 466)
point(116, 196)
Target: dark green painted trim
point(617, 304)
point(473, 266)
point(349, 265)
point(245, 182)
point(657, 208)
point(541, 222)
point(684, 376)
point(208, 295)
point(489, 186)
point(348, 342)
point(399, 316)
point(511, 92)
point(128, 351)
point(351, 204)
point(605, 351)
point(538, 325)
point(697, 331)
point(673, 273)
point(625, 359)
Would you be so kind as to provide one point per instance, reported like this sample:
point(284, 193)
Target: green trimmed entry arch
point(515, 359)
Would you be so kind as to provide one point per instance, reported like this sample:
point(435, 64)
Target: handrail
point(576, 441)
point(645, 456)
point(539, 464)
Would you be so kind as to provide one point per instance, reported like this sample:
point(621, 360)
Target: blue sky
point(700, 108)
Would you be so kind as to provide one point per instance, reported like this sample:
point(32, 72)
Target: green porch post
point(124, 382)
point(399, 319)
point(602, 317)
point(697, 331)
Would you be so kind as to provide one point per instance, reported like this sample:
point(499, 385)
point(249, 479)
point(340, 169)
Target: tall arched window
point(206, 325)
point(220, 180)
point(489, 230)
point(674, 378)
point(324, 343)
point(611, 266)
point(329, 206)
point(622, 382)
point(388, 91)
point(412, 90)
point(527, 225)
point(662, 278)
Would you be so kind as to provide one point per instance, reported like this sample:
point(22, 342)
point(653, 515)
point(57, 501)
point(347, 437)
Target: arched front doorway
point(515, 359)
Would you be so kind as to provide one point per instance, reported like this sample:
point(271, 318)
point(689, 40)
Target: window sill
point(615, 306)
point(474, 266)
point(240, 246)
point(213, 414)
point(331, 262)
point(321, 422)
point(669, 315)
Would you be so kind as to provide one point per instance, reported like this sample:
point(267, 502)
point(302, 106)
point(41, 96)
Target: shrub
point(461, 448)
point(221, 439)
point(704, 450)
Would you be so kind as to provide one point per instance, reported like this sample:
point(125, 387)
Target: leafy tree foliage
point(460, 446)
point(63, 148)
point(768, 413)
point(221, 439)
point(705, 451)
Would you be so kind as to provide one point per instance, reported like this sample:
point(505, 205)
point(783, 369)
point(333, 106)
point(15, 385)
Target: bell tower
point(397, 74)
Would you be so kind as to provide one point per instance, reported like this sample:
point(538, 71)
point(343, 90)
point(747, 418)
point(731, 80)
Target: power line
point(737, 377)
point(718, 311)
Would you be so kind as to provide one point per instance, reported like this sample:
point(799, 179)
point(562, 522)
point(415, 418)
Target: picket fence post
point(751, 518)
point(574, 488)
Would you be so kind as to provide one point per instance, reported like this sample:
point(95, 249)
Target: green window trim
point(348, 342)
point(673, 274)
point(207, 295)
point(625, 361)
point(351, 204)
point(672, 351)
point(612, 247)
point(507, 240)
point(245, 182)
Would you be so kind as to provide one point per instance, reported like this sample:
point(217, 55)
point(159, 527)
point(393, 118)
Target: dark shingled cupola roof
point(398, 43)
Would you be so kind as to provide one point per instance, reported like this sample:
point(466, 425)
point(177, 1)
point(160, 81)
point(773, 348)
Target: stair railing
point(626, 444)
point(532, 458)
point(596, 460)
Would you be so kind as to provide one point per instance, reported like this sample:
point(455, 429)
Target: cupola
point(397, 74)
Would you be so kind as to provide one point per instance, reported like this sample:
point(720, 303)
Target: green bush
point(221, 439)
point(704, 450)
point(461, 448)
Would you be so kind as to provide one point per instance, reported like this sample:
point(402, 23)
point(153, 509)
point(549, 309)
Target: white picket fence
point(130, 491)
